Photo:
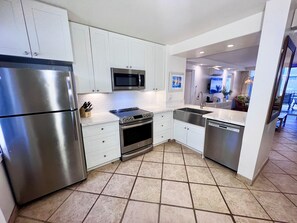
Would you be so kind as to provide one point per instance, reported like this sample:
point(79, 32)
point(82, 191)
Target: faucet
point(200, 97)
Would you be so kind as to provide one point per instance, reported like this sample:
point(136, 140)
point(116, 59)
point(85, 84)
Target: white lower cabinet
point(102, 143)
point(162, 127)
point(189, 135)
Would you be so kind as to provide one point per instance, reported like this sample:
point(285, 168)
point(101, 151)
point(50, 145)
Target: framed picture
point(281, 80)
point(176, 81)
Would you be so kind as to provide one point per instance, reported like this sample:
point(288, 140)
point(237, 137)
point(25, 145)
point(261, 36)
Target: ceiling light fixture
point(216, 68)
point(202, 52)
point(230, 45)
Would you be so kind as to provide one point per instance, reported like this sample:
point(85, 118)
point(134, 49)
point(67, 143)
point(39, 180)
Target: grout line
point(188, 182)
point(99, 195)
point(129, 198)
point(60, 205)
point(162, 167)
point(217, 185)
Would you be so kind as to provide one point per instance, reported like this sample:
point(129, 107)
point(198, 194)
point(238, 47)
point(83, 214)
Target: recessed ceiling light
point(230, 45)
point(202, 52)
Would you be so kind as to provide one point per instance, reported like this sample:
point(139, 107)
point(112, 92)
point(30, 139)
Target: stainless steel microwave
point(127, 79)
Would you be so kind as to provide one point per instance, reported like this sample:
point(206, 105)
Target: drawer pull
point(104, 155)
point(185, 127)
point(162, 125)
point(162, 116)
point(103, 141)
point(102, 128)
point(162, 137)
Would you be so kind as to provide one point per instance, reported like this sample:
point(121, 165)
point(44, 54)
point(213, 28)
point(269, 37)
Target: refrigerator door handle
point(70, 92)
point(75, 129)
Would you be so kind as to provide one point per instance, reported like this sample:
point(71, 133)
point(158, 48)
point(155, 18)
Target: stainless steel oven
point(136, 138)
point(126, 79)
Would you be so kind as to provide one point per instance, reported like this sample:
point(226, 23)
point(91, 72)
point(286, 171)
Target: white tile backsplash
point(103, 102)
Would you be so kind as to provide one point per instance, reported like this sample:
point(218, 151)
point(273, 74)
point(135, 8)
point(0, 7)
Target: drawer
point(161, 125)
point(96, 143)
point(99, 158)
point(101, 129)
point(161, 137)
point(164, 115)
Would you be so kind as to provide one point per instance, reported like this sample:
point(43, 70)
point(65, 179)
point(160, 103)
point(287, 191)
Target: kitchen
point(103, 63)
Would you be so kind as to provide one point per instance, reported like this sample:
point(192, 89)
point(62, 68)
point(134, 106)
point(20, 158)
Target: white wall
point(174, 64)
point(6, 200)
point(257, 134)
point(123, 99)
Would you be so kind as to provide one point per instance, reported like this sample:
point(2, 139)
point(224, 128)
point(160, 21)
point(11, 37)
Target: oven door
point(136, 135)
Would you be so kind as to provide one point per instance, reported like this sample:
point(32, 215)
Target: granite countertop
point(99, 118)
point(224, 115)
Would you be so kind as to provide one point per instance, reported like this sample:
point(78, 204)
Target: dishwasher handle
point(224, 127)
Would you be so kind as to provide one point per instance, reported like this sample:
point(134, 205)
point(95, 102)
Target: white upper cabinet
point(137, 54)
point(155, 67)
point(13, 34)
point(126, 52)
point(100, 51)
point(48, 31)
point(149, 67)
point(160, 54)
point(82, 61)
point(37, 30)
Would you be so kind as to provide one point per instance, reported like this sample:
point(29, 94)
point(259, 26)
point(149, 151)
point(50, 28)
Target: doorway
point(189, 87)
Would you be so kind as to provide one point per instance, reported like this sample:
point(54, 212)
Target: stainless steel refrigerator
point(40, 132)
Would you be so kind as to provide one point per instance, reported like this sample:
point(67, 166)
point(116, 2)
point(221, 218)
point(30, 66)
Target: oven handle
point(136, 125)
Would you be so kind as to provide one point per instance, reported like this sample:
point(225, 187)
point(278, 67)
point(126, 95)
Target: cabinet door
point(119, 50)
point(13, 38)
point(100, 50)
point(149, 68)
point(136, 54)
point(48, 31)
point(195, 137)
point(82, 61)
point(159, 67)
point(180, 131)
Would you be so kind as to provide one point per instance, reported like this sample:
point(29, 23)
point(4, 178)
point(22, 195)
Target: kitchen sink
point(190, 115)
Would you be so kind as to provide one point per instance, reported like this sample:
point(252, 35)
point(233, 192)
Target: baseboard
point(249, 181)
point(13, 215)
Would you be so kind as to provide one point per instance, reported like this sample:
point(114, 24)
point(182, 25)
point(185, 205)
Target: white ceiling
point(245, 58)
point(161, 21)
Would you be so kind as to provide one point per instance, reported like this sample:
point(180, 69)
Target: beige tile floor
point(174, 184)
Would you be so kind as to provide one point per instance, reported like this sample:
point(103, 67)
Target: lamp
point(246, 81)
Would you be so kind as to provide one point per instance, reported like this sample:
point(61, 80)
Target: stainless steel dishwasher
point(223, 143)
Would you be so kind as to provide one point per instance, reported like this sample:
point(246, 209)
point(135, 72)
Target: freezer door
point(42, 153)
point(27, 91)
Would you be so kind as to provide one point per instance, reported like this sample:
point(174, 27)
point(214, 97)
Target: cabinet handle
point(130, 66)
point(104, 155)
point(161, 136)
point(185, 127)
point(35, 54)
point(93, 90)
point(162, 116)
point(97, 90)
point(102, 128)
point(27, 52)
point(127, 66)
point(156, 89)
point(162, 125)
point(103, 141)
